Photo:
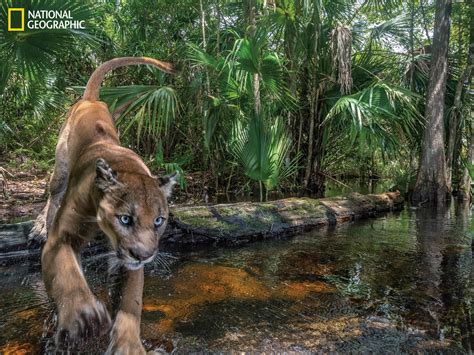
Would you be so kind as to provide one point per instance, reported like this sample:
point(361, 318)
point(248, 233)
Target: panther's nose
point(140, 254)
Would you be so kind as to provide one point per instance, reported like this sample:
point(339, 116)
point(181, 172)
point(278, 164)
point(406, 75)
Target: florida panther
point(99, 185)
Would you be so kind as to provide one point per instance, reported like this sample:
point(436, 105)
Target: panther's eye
point(158, 222)
point(125, 220)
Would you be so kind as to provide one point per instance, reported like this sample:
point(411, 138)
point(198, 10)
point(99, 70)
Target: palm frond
point(262, 150)
point(34, 51)
point(153, 108)
point(391, 33)
point(380, 116)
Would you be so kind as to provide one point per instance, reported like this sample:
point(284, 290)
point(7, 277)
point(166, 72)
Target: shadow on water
point(399, 283)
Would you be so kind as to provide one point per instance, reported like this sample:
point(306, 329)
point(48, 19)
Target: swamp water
point(398, 283)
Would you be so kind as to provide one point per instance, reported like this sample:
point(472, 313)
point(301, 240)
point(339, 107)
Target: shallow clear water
point(402, 282)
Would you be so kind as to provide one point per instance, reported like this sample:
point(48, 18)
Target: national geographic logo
point(16, 19)
point(42, 19)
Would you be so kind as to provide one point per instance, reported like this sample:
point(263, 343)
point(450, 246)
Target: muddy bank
point(232, 224)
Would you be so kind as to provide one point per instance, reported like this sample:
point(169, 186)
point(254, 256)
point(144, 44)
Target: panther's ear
point(167, 183)
point(105, 177)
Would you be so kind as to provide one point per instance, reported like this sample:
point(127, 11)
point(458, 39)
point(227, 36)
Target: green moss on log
point(243, 221)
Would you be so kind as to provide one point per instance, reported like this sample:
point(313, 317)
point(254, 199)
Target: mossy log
point(233, 224)
point(237, 223)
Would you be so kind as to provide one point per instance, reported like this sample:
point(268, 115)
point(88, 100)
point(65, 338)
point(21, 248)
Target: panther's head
point(133, 212)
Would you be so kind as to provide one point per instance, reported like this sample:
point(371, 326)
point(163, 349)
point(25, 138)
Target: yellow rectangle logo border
point(16, 9)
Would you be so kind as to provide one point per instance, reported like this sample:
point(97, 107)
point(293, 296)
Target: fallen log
point(238, 223)
point(233, 224)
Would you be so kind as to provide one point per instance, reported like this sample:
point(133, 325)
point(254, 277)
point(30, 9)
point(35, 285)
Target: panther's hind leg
point(57, 188)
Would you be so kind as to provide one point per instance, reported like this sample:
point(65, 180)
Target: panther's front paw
point(125, 336)
point(38, 234)
point(81, 315)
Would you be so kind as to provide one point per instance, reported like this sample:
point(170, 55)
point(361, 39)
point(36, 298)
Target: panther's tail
point(93, 85)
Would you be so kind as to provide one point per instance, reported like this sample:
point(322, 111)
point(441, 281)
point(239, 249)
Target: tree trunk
point(312, 118)
point(313, 179)
point(465, 184)
point(218, 29)
point(464, 192)
point(457, 105)
point(317, 179)
point(453, 125)
point(256, 93)
point(425, 26)
point(256, 76)
point(412, 45)
point(431, 180)
point(204, 44)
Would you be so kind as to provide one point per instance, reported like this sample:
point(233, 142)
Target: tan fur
point(95, 181)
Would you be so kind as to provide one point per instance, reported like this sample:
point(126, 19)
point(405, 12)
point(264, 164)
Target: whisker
point(160, 265)
point(162, 260)
point(96, 258)
point(114, 264)
point(167, 255)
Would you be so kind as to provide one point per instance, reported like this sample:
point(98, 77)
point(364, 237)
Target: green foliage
point(470, 168)
point(153, 109)
point(261, 149)
point(378, 116)
point(32, 88)
point(170, 167)
point(202, 119)
point(33, 53)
